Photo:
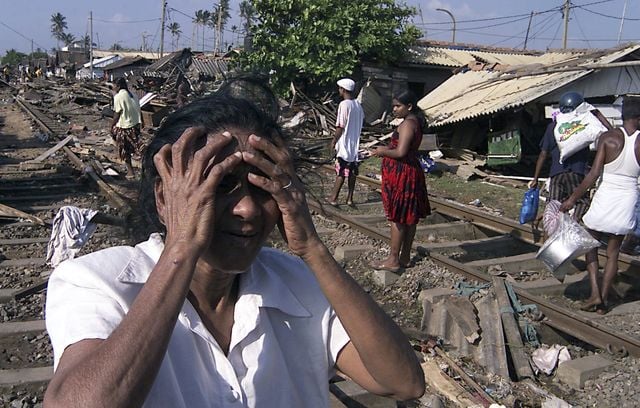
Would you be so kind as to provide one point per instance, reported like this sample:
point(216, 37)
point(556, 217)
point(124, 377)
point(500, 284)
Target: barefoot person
point(404, 190)
point(126, 124)
point(346, 140)
point(612, 211)
point(202, 314)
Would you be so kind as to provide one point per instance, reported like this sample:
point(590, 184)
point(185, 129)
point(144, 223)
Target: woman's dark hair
point(122, 84)
point(407, 97)
point(216, 112)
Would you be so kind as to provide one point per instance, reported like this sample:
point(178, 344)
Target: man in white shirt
point(346, 140)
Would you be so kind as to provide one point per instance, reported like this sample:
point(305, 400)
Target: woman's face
point(245, 214)
point(400, 110)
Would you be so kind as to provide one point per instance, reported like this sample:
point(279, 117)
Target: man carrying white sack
point(565, 176)
point(612, 211)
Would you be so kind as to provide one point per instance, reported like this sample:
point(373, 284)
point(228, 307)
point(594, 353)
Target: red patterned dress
point(404, 190)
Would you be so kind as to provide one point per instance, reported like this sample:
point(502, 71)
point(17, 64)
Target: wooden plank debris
point(465, 377)
point(51, 151)
point(446, 386)
point(515, 345)
point(6, 211)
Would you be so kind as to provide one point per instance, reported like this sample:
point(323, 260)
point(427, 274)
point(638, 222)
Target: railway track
point(36, 181)
point(469, 242)
point(456, 237)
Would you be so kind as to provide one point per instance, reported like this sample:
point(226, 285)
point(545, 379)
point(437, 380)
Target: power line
point(125, 22)
point(24, 36)
point(555, 35)
point(558, 8)
point(606, 15)
point(580, 28)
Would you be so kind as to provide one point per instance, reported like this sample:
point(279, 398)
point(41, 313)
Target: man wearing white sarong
point(612, 210)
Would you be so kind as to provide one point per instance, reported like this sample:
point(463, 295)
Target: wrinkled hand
point(189, 178)
point(274, 160)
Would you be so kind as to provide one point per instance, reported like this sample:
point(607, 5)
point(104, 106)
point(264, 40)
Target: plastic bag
point(529, 205)
point(551, 217)
point(427, 163)
point(576, 130)
point(569, 241)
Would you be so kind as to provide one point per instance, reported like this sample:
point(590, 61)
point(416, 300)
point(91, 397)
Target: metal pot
point(557, 253)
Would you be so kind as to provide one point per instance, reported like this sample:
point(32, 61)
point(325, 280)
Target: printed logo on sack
point(568, 129)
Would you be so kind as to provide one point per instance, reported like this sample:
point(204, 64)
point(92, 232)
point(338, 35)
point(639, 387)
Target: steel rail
point(556, 317)
point(524, 232)
point(40, 118)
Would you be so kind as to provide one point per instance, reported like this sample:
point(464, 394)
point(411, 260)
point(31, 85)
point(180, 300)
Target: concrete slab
point(576, 372)
point(435, 295)
point(10, 328)
point(25, 376)
point(385, 278)
point(350, 252)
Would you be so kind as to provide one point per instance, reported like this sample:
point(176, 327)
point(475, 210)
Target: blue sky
point(593, 23)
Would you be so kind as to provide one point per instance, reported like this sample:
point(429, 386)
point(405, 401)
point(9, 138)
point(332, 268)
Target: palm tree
point(234, 29)
point(202, 18)
point(174, 30)
point(247, 13)
point(67, 38)
point(86, 41)
point(58, 25)
point(220, 16)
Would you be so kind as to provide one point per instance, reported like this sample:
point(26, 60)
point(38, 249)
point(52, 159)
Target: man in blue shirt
point(565, 177)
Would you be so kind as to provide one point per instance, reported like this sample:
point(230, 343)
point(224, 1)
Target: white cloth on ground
point(613, 205)
point(284, 341)
point(350, 117)
point(72, 228)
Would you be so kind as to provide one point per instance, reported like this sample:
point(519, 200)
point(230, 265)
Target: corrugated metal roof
point(474, 93)
point(489, 351)
point(125, 62)
point(104, 61)
point(453, 57)
point(213, 67)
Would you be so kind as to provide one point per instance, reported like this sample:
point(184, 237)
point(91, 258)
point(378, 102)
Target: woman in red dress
point(404, 191)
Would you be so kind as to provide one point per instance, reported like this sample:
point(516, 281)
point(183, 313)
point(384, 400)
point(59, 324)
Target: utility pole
point(91, 42)
point(453, 40)
point(624, 13)
point(526, 37)
point(567, 5)
point(218, 28)
point(164, 8)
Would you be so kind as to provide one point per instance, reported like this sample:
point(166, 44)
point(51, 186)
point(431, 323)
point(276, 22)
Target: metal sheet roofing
point(474, 93)
point(454, 57)
point(213, 67)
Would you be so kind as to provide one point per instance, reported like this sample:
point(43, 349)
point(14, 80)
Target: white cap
point(347, 84)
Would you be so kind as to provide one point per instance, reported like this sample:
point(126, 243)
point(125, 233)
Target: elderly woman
point(201, 314)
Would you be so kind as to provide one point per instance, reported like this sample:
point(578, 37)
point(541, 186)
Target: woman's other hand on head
point(278, 178)
point(185, 191)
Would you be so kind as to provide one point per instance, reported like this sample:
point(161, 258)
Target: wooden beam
point(51, 151)
point(11, 212)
